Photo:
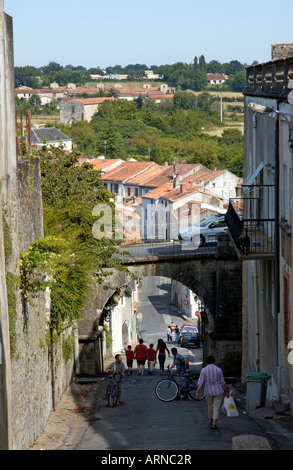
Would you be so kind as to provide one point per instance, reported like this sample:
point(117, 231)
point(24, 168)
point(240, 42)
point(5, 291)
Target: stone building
point(79, 109)
point(264, 235)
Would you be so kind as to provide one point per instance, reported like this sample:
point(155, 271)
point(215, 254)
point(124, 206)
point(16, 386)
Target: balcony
point(271, 79)
point(251, 222)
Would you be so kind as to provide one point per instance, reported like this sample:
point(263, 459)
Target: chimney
point(185, 187)
point(282, 51)
point(175, 181)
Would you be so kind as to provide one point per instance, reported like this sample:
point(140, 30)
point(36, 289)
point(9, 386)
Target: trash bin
point(256, 389)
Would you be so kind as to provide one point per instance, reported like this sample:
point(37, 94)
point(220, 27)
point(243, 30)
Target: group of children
point(181, 364)
point(150, 357)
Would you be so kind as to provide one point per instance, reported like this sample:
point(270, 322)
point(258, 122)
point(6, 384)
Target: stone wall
point(71, 111)
point(33, 387)
point(282, 51)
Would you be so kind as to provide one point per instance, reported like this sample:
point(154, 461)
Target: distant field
point(232, 110)
point(218, 131)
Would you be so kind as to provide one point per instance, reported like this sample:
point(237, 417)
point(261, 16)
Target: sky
point(105, 33)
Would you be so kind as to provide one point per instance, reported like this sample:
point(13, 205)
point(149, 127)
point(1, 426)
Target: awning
point(249, 180)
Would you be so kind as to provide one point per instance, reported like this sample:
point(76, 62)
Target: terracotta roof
point(166, 176)
point(216, 76)
point(87, 101)
point(157, 96)
point(204, 176)
point(144, 178)
point(100, 164)
point(160, 191)
point(126, 170)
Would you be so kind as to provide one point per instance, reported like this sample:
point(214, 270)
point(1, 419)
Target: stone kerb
point(250, 442)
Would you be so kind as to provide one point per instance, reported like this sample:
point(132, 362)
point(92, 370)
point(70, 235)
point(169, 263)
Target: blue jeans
point(162, 358)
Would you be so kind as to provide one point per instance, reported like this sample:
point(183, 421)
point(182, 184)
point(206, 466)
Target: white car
point(205, 232)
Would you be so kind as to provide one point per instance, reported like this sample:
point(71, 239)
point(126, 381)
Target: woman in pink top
point(212, 378)
point(162, 348)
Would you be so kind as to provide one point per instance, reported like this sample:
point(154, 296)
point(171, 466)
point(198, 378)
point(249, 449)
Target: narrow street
point(146, 423)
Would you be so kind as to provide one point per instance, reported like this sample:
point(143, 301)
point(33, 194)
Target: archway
point(216, 281)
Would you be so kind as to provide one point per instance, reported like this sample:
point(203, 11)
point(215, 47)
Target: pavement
point(75, 412)
point(81, 411)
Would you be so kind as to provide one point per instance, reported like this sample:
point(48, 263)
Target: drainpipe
point(254, 121)
point(277, 255)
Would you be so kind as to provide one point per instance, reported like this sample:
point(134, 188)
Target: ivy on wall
point(10, 287)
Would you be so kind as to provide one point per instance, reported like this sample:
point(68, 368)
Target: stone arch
point(216, 281)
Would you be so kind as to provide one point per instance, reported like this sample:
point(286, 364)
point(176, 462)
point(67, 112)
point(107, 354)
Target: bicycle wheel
point(113, 398)
point(192, 391)
point(166, 390)
point(107, 396)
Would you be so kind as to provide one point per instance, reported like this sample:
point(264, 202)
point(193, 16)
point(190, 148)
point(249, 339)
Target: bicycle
point(112, 390)
point(168, 389)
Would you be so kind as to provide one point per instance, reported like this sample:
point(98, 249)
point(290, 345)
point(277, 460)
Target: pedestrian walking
point(161, 350)
point(129, 359)
point(140, 354)
point(151, 359)
point(118, 372)
point(177, 331)
point(212, 378)
point(169, 334)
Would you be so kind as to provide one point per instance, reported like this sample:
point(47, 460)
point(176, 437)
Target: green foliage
point(11, 300)
point(160, 132)
point(7, 237)
point(68, 260)
point(67, 347)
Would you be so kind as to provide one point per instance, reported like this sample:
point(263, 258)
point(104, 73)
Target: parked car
point(190, 339)
point(187, 328)
point(204, 232)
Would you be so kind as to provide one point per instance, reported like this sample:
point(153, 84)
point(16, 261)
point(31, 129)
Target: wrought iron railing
point(251, 221)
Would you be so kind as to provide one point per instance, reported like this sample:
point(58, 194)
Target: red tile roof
point(147, 176)
point(160, 191)
point(100, 164)
point(126, 170)
point(87, 101)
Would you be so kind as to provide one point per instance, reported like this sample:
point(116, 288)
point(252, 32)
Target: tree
point(26, 76)
point(69, 258)
point(215, 67)
point(116, 110)
point(184, 101)
point(238, 81)
point(232, 67)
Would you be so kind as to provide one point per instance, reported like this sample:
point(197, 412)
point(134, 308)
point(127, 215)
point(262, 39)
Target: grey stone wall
point(32, 387)
point(71, 111)
point(282, 51)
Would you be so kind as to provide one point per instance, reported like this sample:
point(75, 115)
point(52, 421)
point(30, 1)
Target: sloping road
point(146, 423)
